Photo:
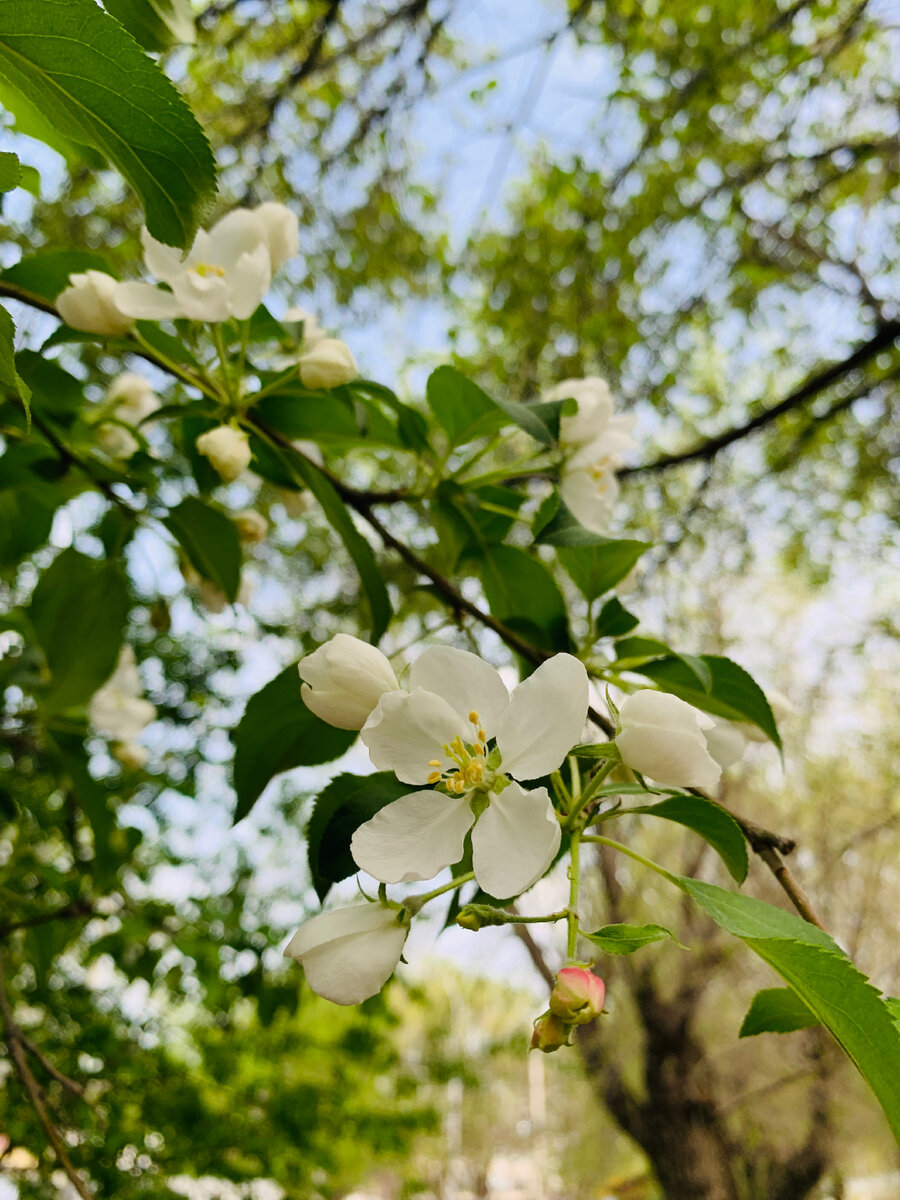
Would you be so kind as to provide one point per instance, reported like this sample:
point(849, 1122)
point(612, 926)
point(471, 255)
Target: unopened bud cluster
point(577, 998)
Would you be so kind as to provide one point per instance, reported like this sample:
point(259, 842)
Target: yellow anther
point(478, 750)
point(473, 717)
point(434, 762)
point(482, 736)
point(204, 269)
point(434, 776)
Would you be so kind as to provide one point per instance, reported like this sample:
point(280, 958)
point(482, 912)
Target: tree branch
point(78, 908)
point(882, 340)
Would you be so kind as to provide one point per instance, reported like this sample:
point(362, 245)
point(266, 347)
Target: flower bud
point(329, 364)
point(89, 303)
point(549, 1033)
point(350, 953)
point(577, 995)
point(344, 680)
point(228, 449)
point(252, 526)
point(726, 742)
point(132, 396)
point(663, 738)
point(477, 916)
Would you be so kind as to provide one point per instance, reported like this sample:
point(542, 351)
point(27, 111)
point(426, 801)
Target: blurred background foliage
point(698, 202)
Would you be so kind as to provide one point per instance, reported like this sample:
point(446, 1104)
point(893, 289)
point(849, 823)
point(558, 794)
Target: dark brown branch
point(883, 340)
point(16, 1046)
point(78, 908)
point(71, 1085)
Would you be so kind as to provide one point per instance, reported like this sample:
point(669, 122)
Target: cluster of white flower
point(119, 711)
point(594, 443)
point(129, 400)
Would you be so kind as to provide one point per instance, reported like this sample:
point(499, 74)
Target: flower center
point(204, 269)
point(470, 770)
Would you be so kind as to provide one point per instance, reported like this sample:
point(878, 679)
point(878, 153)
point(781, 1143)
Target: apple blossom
point(577, 995)
point(90, 302)
point(130, 398)
point(228, 450)
point(282, 231)
point(329, 364)
point(438, 732)
point(726, 741)
point(252, 526)
point(344, 680)
point(663, 737)
point(225, 274)
point(119, 711)
point(349, 954)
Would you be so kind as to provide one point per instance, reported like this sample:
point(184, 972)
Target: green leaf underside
point(210, 541)
point(340, 809)
point(614, 619)
point(598, 567)
point(277, 733)
point(625, 939)
point(776, 1010)
point(78, 610)
point(144, 20)
point(355, 544)
point(733, 694)
point(87, 76)
point(824, 979)
point(713, 823)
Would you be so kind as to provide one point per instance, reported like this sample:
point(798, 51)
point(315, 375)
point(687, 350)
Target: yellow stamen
point(204, 269)
point(473, 717)
point(482, 736)
point(434, 776)
point(435, 762)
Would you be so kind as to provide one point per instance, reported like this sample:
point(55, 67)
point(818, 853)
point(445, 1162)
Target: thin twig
point(78, 908)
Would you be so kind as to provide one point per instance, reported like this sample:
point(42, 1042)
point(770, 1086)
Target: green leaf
point(156, 24)
point(356, 545)
point(47, 273)
point(625, 939)
point(600, 750)
point(10, 171)
point(85, 75)
point(338, 813)
point(26, 516)
point(210, 541)
point(277, 733)
point(522, 593)
point(614, 619)
point(460, 407)
point(733, 693)
point(79, 609)
point(714, 824)
point(776, 1010)
point(597, 568)
point(9, 376)
point(632, 652)
point(331, 420)
point(823, 977)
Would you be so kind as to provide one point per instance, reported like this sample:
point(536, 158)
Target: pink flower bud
point(549, 1033)
point(577, 995)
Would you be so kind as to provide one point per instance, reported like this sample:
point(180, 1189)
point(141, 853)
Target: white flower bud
point(329, 364)
point(228, 449)
point(132, 755)
point(296, 504)
point(662, 737)
point(252, 526)
point(133, 397)
point(344, 680)
point(89, 303)
point(118, 709)
point(282, 230)
point(349, 954)
point(726, 741)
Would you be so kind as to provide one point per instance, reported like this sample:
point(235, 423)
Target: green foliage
point(276, 733)
point(711, 822)
point(89, 79)
point(776, 1010)
point(156, 24)
point(10, 171)
point(210, 541)
point(9, 376)
point(522, 593)
point(626, 939)
point(78, 611)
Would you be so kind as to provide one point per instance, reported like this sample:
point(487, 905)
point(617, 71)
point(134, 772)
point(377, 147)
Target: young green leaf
point(776, 1010)
point(87, 77)
point(460, 407)
point(625, 939)
point(210, 541)
point(614, 620)
point(598, 567)
point(10, 171)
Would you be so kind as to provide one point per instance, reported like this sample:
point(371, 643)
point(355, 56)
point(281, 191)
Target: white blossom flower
point(225, 274)
point(349, 954)
point(594, 444)
point(252, 526)
point(329, 364)
point(662, 737)
point(282, 232)
point(313, 333)
point(90, 302)
point(228, 450)
point(344, 680)
point(130, 398)
point(119, 711)
point(726, 741)
point(438, 732)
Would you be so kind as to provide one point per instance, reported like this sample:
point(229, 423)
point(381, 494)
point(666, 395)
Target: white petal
point(671, 758)
point(240, 232)
point(248, 281)
point(413, 837)
point(514, 841)
point(590, 497)
point(144, 302)
point(408, 730)
point(203, 297)
point(649, 707)
point(726, 742)
point(349, 954)
point(165, 262)
point(465, 681)
point(545, 718)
